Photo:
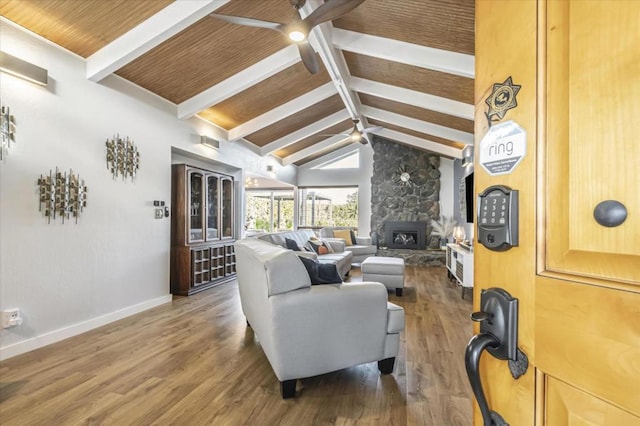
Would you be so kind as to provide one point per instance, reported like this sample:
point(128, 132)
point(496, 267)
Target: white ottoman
point(387, 270)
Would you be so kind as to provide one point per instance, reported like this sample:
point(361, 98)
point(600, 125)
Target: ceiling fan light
point(297, 35)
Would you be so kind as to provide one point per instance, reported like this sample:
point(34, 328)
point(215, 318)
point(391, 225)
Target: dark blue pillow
point(353, 237)
point(321, 273)
point(291, 244)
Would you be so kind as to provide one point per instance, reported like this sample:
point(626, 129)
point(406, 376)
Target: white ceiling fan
point(357, 135)
point(298, 30)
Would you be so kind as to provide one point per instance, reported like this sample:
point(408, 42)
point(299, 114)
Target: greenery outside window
point(328, 206)
point(268, 210)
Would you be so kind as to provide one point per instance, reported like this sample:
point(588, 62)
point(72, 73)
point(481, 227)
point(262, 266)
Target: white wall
point(70, 278)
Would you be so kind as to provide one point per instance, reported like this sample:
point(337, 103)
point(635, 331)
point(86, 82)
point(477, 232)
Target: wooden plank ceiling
point(405, 65)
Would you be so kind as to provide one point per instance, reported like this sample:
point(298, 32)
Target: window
point(268, 211)
point(327, 206)
point(350, 160)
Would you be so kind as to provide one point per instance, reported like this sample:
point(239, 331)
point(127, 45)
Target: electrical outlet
point(159, 213)
point(11, 317)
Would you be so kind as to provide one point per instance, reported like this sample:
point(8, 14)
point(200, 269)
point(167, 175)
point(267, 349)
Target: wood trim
point(274, 91)
point(422, 22)
point(409, 77)
point(539, 419)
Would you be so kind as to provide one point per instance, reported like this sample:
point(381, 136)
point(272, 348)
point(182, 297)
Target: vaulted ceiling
point(404, 65)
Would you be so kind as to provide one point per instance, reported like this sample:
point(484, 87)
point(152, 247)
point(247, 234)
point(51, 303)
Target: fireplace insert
point(405, 235)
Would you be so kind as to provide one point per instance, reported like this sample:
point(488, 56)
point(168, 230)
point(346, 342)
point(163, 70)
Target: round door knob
point(610, 213)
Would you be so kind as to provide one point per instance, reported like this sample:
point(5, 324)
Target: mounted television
point(469, 196)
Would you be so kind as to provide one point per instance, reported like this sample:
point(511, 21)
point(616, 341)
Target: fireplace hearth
point(405, 235)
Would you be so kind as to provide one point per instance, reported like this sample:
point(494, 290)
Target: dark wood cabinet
point(202, 229)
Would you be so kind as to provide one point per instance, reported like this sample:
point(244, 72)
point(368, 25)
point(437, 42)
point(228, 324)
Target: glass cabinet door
point(227, 208)
point(196, 197)
point(212, 207)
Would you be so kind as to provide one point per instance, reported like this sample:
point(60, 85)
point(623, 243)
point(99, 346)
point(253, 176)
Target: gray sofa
point(308, 330)
point(340, 257)
point(361, 250)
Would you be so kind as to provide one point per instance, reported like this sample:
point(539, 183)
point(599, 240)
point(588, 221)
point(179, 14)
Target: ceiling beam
point(407, 53)
point(283, 111)
point(418, 125)
point(313, 149)
point(240, 81)
point(332, 59)
point(149, 34)
point(305, 132)
point(412, 97)
point(428, 145)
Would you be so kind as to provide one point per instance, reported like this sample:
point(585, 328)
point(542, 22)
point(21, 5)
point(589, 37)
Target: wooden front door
point(577, 282)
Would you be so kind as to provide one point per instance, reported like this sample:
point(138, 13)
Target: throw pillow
point(328, 246)
point(353, 237)
point(344, 234)
point(321, 273)
point(323, 249)
point(291, 244)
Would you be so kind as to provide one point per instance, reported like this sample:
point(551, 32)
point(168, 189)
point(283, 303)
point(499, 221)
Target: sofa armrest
point(364, 241)
point(337, 244)
point(327, 327)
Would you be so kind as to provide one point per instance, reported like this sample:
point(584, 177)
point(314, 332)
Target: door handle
point(498, 318)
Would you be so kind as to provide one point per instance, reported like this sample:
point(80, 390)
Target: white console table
point(460, 265)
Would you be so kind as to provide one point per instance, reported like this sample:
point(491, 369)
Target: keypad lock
point(498, 217)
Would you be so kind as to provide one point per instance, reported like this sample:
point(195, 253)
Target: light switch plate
point(159, 213)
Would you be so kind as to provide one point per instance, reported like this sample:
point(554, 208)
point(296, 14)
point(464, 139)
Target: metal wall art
point(123, 158)
point(403, 176)
point(62, 194)
point(7, 130)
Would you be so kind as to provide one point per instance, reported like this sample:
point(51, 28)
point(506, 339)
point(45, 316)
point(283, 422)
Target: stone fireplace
point(405, 235)
point(394, 202)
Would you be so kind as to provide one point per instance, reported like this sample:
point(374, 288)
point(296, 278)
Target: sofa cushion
point(319, 246)
point(345, 234)
point(321, 273)
point(359, 250)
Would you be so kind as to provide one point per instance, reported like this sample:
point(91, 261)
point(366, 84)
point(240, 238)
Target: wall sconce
point(209, 142)
point(7, 130)
point(467, 155)
point(122, 157)
point(23, 69)
point(63, 194)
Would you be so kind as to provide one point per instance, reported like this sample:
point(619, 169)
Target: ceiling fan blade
point(240, 20)
point(331, 10)
point(308, 57)
point(372, 129)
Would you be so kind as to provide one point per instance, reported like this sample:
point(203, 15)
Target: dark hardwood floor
point(194, 362)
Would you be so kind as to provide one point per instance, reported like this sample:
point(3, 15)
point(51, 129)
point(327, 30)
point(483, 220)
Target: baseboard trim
point(37, 342)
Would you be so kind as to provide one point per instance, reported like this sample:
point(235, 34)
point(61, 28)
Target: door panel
point(567, 405)
point(592, 136)
point(589, 336)
point(578, 283)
